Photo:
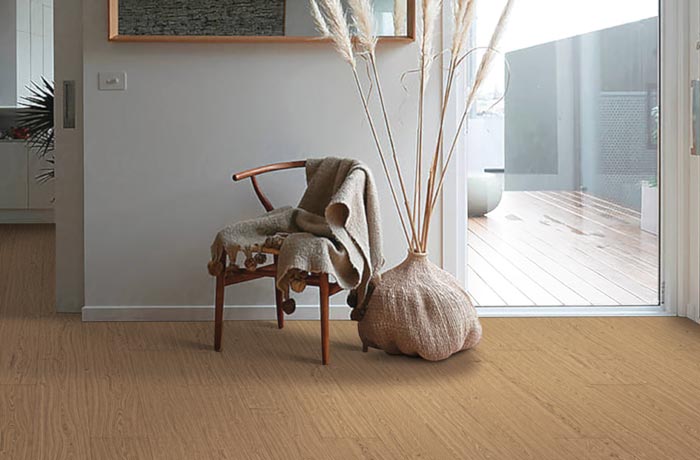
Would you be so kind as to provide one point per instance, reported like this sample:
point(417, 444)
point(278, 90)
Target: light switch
point(111, 81)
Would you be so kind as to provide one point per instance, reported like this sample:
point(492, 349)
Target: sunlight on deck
point(561, 248)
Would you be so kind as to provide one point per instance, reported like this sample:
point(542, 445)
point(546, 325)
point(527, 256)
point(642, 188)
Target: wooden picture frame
point(113, 32)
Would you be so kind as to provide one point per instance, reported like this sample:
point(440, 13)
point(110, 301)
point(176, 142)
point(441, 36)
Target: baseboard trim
point(337, 312)
point(205, 313)
point(26, 216)
point(568, 312)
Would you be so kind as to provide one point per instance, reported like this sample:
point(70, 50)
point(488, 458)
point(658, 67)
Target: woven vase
point(418, 309)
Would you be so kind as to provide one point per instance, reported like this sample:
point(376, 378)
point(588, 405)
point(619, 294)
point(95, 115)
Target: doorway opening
point(563, 158)
point(26, 111)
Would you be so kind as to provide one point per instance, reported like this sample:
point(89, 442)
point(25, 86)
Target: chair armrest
point(252, 173)
point(268, 168)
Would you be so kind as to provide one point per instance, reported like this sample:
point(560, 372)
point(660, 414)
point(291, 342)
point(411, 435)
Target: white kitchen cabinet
point(22, 198)
point(40, 194)
point(14, 185)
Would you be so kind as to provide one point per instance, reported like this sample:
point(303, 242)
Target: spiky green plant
point(36, 115)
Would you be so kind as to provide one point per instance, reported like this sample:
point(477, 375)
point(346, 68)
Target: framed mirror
point(240, 20)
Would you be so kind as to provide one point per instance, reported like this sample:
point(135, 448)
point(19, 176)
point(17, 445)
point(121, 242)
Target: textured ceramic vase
point(421, 310)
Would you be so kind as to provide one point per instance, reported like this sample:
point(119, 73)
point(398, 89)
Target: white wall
point(26, 46)
point(297, 20)
point(8, 53)
point(34, 43)
point(158, 157)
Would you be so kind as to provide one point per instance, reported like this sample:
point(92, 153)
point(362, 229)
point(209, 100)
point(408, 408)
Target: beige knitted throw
point(335, 229)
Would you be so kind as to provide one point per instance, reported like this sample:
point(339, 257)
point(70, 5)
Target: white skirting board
point(26, 216)
point(337, 312)
point(206, 313)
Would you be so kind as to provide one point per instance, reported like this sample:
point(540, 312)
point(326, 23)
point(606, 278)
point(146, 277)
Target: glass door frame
point(675, 244)
point(684, 297)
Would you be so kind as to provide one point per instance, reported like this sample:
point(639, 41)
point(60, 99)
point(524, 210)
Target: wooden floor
point(561, 248)
point(590, 388)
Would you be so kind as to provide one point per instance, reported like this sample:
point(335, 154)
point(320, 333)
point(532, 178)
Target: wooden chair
point(235, 275)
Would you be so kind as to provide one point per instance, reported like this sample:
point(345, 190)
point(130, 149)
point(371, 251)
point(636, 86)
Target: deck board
point(561, 248)
point(530, 268)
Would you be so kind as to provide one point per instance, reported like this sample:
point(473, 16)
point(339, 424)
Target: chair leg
point(325, 326)
point(279, 298)
point(219, 311)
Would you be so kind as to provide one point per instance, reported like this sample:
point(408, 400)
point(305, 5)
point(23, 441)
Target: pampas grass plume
point(431, 11)
point(338, 28)
point(363, 17)
point(487, 60)
point(400, 17)
point(319, 20)
point(464, 11)
point(481, 74)
point(331, 22)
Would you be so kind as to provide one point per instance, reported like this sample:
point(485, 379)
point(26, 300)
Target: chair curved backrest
point(254, 172)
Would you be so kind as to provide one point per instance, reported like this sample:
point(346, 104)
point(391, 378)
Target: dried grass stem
point(331, 21)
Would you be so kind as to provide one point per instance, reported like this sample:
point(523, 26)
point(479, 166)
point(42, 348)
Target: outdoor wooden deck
point(561, 248)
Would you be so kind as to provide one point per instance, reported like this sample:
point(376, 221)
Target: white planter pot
point(484, 193)
point(650, 209)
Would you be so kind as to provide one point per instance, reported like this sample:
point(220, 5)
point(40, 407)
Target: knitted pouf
point(419, 309)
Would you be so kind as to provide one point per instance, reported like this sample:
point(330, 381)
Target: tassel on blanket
point(297, 280)
point(250, 263)
point(260, 258)
point(289, 306)
point(275, 241)
point(215, 267)
point(358, 310)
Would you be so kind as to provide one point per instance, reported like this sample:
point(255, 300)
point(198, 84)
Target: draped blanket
point(335, 229)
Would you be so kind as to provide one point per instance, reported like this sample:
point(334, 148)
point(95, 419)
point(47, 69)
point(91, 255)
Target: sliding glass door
point(563, 157)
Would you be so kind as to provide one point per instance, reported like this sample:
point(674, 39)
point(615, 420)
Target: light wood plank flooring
point(561, 248)
point(570, 388)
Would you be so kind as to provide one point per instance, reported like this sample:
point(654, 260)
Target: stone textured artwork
point(202, 17)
